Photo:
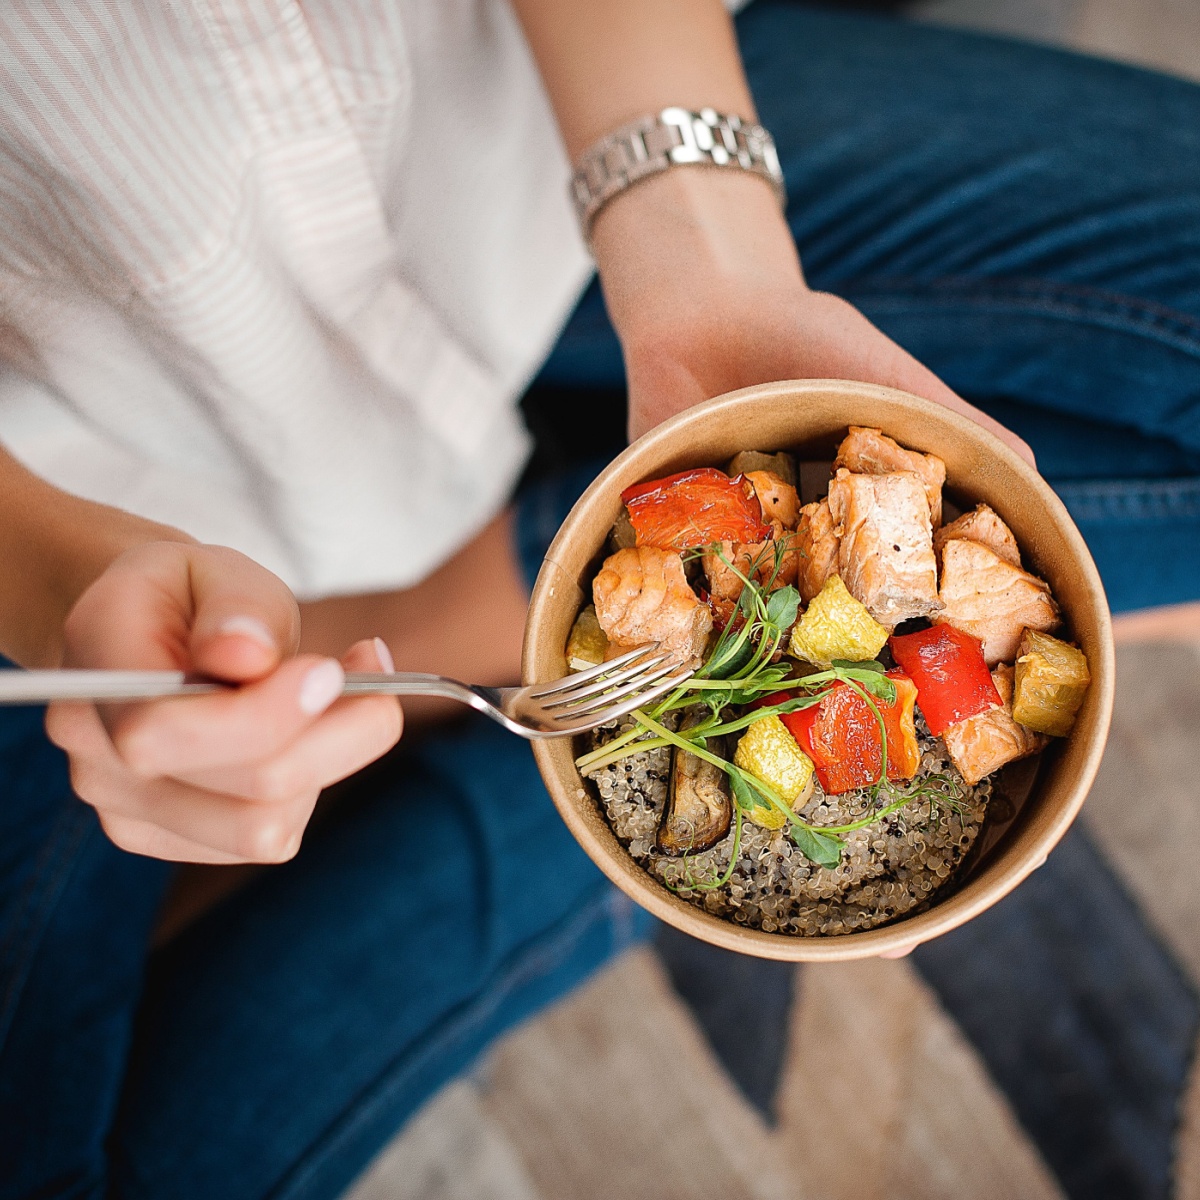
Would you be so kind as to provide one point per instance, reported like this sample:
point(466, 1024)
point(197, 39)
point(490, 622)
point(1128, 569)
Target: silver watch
point(672, 137)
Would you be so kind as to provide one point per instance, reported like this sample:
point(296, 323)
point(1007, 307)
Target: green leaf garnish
point(782, 607)
point(744, 796)
point(825, 849)
point(740, 671)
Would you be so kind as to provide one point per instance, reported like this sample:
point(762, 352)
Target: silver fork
point(556, 709)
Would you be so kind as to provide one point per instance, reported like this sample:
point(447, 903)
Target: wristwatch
point(673, 137)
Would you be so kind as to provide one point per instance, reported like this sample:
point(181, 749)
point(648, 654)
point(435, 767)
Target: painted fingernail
point(250, 627)
point(321, 687)
point(386, 662)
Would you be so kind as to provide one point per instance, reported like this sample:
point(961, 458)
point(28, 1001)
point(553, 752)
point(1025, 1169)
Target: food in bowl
point(861, 668)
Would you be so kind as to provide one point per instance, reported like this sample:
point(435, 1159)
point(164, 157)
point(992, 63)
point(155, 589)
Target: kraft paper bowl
point(810, 417)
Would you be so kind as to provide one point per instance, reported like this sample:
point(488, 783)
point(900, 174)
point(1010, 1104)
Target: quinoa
point(889, 868)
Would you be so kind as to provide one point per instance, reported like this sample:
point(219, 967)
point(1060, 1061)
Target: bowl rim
point(1003, 874)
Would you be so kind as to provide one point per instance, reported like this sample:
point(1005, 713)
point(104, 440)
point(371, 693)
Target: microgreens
point(740, 670)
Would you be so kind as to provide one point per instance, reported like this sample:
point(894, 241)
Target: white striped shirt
point(275, 271)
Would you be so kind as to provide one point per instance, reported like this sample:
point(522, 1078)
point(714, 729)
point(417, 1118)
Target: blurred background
point(1046, 1050)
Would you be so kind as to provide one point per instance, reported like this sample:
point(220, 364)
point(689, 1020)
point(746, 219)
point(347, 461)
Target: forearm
point(605, 62)
point(686, 230)
point(52, 547)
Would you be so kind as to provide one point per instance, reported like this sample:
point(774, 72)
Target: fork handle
point(43, 687)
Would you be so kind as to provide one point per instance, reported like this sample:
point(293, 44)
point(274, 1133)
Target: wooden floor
point(567, 1109)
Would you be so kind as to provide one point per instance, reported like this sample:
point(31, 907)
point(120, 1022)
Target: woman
point(273, 276)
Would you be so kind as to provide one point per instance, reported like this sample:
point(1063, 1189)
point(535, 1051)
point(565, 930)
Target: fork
point(560, 708)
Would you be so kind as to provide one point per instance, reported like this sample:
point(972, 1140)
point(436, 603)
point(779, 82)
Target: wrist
point(55, 546)
point(677, 237)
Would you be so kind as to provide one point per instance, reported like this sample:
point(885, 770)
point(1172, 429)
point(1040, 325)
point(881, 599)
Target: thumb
point(245, 618)
point(187, 607)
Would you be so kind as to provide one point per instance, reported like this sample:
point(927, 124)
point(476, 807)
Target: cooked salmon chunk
point(980, 525)
point(642, 595)
point(818, 547)
point(868, 451)
point(778, 498)
point(754, 561)
point(991, 599)
point(885, 553)
point(983, 744)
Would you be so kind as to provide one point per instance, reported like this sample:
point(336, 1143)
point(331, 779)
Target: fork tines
point(614, 688)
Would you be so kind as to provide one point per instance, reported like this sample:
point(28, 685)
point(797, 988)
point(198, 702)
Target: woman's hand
point(705, 288)
point(223, 778)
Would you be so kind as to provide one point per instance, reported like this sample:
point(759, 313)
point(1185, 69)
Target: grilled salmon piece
point(755, 561)
point(885, 554)
point(980, 525)
point(778, 498)
point(867, 451)
point(642, 595)
point(818, 547)
point(983, 744)
point(991, 599)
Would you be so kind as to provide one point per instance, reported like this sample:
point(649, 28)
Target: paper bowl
point(811, 417)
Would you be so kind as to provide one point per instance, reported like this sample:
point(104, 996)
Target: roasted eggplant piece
point(699, 806)
point(622, 536)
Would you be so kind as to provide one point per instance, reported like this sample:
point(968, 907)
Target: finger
point(140, 837)
point(76, 728)
point(1006, 435)
point(371, 654)
point(918, 379)
point(902, 952)
point(245, 619)
point(352, 734)
point(847, 341)
point(243, 725)
point(172, 605)
point(240, 829)
point(196, 820)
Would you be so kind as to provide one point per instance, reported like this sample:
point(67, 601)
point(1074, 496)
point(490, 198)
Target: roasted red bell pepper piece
point(953, 681)
point(841, 736)
point(695, 508)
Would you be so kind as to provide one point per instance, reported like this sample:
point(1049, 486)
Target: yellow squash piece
point(769, 752)
point(587, 645)
point(835, 625)
point(1052, 678)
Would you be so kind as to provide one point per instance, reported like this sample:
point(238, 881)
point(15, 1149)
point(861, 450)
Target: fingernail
point(250, 627)
point(386, 662)
point(321, 687)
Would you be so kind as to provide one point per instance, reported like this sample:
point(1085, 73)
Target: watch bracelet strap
point(673, 137)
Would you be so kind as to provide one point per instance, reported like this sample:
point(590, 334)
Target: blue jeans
point(1027, 223)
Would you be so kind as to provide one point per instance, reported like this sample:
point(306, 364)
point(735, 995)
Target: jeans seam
point(1135, 499)
point(1114, 310)
point(529, 962)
